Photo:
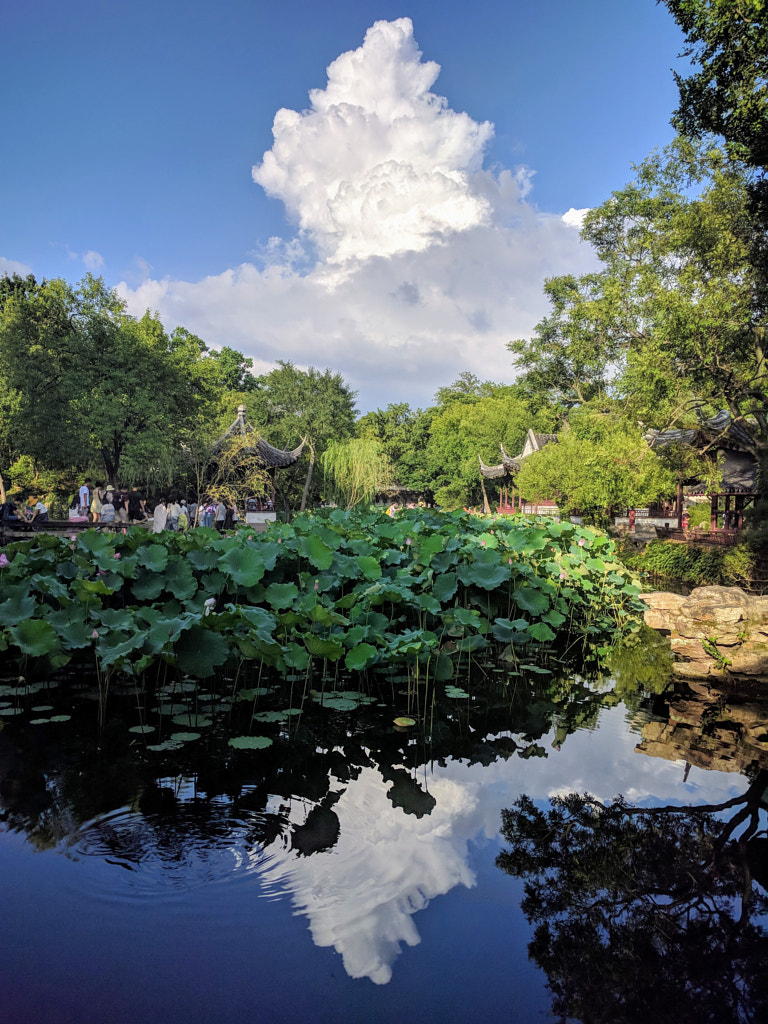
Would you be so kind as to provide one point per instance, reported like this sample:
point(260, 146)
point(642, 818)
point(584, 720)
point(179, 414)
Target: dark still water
point(348, 871)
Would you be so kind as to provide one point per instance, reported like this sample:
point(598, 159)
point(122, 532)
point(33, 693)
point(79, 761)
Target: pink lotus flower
point(317, 585)
point(510, 561)
point(95, 635)
point(482, 543)
point(562, 575)
point(117, 554)
point(3, 561)
point(408, 541)
point(581, 542)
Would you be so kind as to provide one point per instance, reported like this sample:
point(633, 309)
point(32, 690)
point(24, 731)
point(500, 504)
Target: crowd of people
point(96, 503)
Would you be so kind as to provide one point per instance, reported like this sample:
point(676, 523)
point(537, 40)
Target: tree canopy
point(676, 317)
point(645, 913)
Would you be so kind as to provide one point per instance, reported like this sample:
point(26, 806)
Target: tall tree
point(290, 404)
point(403, 434)
point(645, 913)
point(90, 385)
point(726, 94)
point(677, 315)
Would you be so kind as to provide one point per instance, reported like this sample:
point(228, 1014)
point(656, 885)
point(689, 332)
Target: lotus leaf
point(199, 651)
point(321, 648)
point(153, 556)
point(34, 637)
point(530, 600)
point(250, 742)
point(18, 606)
point(243, 565)
point(281, 595)
point(541, 631)
point(192, 721)
point(445, 586)
point(369, 566)
point(455, 692)
point(360, 657)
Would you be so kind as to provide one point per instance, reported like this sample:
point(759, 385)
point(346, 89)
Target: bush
point(696, 565)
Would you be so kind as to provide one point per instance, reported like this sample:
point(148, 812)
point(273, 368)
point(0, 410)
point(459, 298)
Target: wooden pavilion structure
point(254, 445)
point(508, 468)
point(729, 441)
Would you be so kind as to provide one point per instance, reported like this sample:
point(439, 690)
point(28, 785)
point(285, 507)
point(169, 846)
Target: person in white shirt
point(84, 496)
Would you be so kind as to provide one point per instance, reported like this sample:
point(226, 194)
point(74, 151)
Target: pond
point(355, 870)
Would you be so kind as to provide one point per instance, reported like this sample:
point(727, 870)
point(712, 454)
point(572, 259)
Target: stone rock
point(749, 662)
point(663, 609)
point(734, 621)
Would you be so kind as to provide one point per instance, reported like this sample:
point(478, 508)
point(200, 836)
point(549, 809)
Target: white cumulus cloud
point(93, 260)
point(426, 262)
point(575, 218)
point(10, 267)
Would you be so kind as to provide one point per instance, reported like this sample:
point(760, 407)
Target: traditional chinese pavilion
point(269, 457)
point(727, 439)
point(508, 468)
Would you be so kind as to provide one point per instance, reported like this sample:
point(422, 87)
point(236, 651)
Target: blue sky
point(389, 235)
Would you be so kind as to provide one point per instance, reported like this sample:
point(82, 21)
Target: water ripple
point(195, 846)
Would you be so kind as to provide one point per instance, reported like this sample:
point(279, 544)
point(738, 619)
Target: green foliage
point(361, 587)
point(677, 313)
point(356, 469)
point(600, 464)
point(471, 422)
point(403, 435)
point(726, 95)
point(696, 565)
point(290, 404)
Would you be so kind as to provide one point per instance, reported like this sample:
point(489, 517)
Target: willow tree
point(358, 470)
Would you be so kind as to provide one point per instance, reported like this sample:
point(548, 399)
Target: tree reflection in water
point(646, 914)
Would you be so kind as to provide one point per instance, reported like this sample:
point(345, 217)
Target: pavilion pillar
point(679, 504)
point(727, 516)
point(739, 511)
point(714, 510)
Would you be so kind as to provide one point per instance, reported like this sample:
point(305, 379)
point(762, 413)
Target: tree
point(727, 95)
point(290, 404)
point(84, 383)
point(357, 469)
point(468, 424)
point(645, 913)
point(600, 464)
point(677, 315)
point(403, 434)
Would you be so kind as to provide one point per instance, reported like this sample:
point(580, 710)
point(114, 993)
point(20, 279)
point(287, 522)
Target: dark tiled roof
point(271, 457)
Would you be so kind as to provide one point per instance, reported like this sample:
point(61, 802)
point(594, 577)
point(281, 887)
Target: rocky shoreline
point(715, 632)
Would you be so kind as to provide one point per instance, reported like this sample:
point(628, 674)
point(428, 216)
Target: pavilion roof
point(271, 457)
point(510, 464)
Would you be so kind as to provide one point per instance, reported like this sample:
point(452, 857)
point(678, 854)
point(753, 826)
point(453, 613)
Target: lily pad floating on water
point(184, 737)
point(11, 711)
point(250, 742)
point(192, 721)
point(43, 707)
point(142, 730)
point(537, 668)
point(159, 748)
point(170, 709)
point(405, 722)
point(455, 692)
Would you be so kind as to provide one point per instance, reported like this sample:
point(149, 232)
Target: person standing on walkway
point(84, 497)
